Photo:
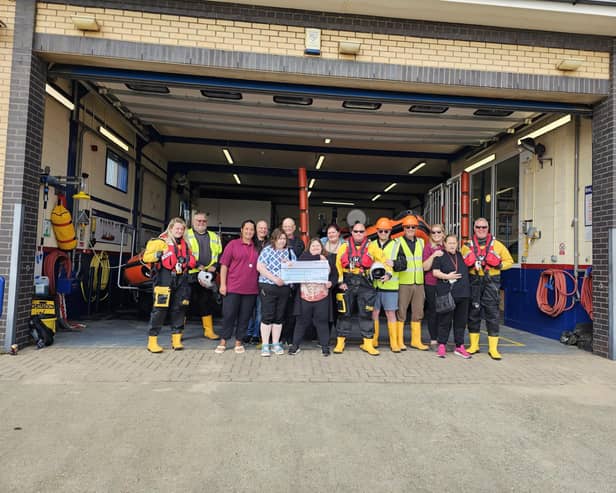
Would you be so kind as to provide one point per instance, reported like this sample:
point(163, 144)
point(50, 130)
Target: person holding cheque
point(273, 291)
point(453, 292)
point(312, 304)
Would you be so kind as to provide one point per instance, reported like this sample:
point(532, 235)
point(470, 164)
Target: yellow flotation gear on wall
point(154, 249)
point(63, 228)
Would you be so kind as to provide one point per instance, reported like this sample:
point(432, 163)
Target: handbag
point(444, 303)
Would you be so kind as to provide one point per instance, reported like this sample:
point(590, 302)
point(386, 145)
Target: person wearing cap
point(485, 257)
point(353, 262)
point(387, 289)
point(411, 290)
point(206, 247)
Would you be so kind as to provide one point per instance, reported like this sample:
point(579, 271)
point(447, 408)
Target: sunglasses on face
point(410, 227)
point(481, 227)
point(359, 231)
point(384, 231)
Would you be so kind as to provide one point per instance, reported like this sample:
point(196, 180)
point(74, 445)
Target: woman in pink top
point(432, 250)
point(238, 286)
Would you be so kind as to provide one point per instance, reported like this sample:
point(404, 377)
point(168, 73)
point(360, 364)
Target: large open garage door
point(379, 151)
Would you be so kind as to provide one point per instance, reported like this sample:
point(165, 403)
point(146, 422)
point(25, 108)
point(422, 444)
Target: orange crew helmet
point(383, 223)
point(410, 221)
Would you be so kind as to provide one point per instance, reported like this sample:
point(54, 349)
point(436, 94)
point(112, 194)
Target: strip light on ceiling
point(309, 193)
point(59, 97)
point(237, 178)
point(312, 182)
point(320, 161)
point(504, 190)
point(227, 156)
point(331, 202)
point(390, 187)
point(417, 168)
point(376, 197)
point(480, 163)
point(548, 128)
point(113, 138)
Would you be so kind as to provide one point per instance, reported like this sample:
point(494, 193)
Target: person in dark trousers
point(486, 258)
point(173, 259)
point(273, 291)
point(312, 304)
point(433, 249)
point(452, 275)
point(206, 248)
point(238, 286)
point(297, 245)
point(331, 244)
point(253, 335)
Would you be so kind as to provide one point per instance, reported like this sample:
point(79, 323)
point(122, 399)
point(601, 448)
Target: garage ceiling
point(270, 130)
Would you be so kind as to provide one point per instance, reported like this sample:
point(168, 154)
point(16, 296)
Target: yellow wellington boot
point(153, 346)
point(392, 328)
point(493, 348)
point(400, 334)
point(208, 328)
point(473, 338)
point(375, 338)
point(176, 342)
point(416, 337)
point(368, 347)
point(339, 345)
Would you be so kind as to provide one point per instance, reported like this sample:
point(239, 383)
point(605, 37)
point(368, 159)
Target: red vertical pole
point(303, 204)
point(464, 205)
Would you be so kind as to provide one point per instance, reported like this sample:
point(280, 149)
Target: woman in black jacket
point(452, 275)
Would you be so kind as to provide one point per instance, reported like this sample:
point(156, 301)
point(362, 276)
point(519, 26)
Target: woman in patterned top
point(274, 293)
point(312, 306)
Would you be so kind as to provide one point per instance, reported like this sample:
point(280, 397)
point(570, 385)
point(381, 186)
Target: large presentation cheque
point(305, 271)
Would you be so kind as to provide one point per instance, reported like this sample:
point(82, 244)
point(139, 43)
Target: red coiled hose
point(586, 294)
point(556, 277)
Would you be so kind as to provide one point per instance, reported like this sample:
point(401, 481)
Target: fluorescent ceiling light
point(312, 182)
point(237, 178)
point(331, 202)
point(548, 128)
point(113, 138)
point(417, 168)
point(504, 190)
point(390, 187)
point(376, 197)
point(227, 156)
point(328, 140)
point(480, 163)
point(320, 161)
point(59, 97)
point(309, 193)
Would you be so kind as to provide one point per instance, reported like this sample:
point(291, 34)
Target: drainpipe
point(303, 204)
point(576, 194)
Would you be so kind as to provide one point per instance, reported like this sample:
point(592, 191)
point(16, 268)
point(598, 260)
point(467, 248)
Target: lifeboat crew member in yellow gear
point(485, 257)
point(206, 248)
point(353, 262)
point(411, 290)
point(387, 289)
point(172, 258)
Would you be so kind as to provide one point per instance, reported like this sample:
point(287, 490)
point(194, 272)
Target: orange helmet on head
point(410, 221)
point(383, 223)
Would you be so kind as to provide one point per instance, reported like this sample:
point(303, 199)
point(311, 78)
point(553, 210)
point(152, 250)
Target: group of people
point(458, 287)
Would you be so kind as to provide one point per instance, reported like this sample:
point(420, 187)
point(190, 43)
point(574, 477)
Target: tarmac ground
point(97, 412)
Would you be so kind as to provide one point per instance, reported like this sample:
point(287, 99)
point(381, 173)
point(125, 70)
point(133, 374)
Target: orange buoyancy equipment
point(482, 256)
point(136, 271)
point(356, 256)
point(63, 228)
point(178, 256)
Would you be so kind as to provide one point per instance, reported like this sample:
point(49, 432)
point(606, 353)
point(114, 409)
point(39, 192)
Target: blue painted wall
point(521, 311)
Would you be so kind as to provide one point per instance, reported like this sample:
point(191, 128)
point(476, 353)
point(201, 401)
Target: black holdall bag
point(444, 303)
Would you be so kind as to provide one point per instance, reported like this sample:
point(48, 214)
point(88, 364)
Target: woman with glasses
point(238, 286)
point(452, 273)
point(432, 250)
point(274, 293)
